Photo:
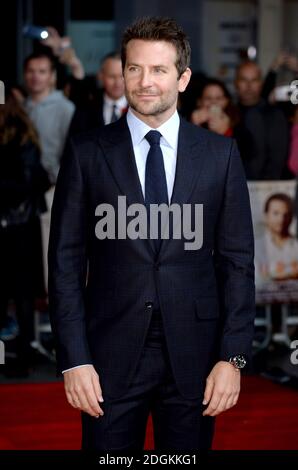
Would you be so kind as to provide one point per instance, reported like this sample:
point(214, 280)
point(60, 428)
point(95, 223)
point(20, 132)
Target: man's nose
point(145, 79)
point(119, 81)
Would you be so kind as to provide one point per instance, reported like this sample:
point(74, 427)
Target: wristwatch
point(238, 361)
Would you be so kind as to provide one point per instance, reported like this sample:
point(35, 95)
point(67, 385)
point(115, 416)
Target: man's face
point(249, 84)
point(111, 78)
point(277, 217)
point(38, 75)
point(151, 77)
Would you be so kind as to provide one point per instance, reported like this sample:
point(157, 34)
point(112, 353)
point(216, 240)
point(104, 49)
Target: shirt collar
point(120, 103)
point(169, 129)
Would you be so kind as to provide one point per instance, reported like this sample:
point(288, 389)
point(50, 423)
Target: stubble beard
point(154, 109)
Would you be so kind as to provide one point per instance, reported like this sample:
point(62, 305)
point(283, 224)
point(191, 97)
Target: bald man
point(262, 133)
point(108, 103)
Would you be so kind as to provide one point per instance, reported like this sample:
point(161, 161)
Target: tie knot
point(153, 137)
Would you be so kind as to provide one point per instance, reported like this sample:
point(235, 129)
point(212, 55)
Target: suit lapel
point(190, 158)
point(116, 143)
point(118, 151)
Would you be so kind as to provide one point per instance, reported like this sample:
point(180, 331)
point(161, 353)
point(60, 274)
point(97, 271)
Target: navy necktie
point(155, 177)
point(114, 116)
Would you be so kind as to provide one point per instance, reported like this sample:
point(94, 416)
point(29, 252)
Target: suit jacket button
point(149, 305)
point(157, 266)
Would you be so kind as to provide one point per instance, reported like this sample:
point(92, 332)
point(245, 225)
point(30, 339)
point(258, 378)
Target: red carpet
point(36, 416)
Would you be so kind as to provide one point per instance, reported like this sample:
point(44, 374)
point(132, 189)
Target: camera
point(215, 110)
point(35, 32)
point(283, 93)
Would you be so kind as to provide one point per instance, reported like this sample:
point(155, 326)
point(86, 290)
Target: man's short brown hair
point(159, 29)
point(40, 55)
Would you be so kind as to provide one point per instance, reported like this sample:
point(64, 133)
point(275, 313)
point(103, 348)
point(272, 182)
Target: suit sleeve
point(234, 262)
point(67, 261)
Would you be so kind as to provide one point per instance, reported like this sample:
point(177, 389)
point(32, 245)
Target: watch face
point(238, 361)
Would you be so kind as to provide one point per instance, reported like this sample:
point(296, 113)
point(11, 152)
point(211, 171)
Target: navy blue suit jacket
point(99, 289)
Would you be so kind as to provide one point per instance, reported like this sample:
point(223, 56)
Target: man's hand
point(53, 40)
point(279, 61)
point(56, 43)
point(222, 388)
point(68, 57)
point(83, 390)
point(199, 116)
point(219, 123)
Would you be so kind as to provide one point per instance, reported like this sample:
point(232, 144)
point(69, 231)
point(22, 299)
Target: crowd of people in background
point(38, 119)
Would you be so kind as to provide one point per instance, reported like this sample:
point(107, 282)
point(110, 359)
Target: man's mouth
point(145, 95)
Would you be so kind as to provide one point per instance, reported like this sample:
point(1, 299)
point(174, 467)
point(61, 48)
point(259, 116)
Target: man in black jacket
point(262, 133)
point(107, 104)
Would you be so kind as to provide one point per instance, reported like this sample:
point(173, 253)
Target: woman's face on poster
point(278, 217)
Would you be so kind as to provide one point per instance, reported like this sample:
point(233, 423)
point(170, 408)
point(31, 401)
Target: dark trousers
point(178, 422)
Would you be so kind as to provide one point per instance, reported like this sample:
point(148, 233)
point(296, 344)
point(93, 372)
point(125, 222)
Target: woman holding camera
point(215, 110)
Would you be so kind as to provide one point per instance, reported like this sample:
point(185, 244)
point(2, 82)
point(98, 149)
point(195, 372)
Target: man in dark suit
point(104, 105)
point(262, 132)
point(144, 324)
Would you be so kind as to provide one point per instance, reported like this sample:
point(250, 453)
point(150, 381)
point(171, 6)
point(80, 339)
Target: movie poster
point(276, 245)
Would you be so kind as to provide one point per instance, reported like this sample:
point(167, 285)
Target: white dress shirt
point(108, 104)
point(168, 142)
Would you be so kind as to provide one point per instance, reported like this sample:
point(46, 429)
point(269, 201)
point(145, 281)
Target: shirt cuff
point(76, 367)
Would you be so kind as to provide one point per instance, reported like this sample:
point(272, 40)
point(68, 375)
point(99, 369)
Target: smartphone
point(35, 32)
point(215, 110)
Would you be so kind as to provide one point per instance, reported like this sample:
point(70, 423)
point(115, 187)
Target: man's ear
point(184, 80)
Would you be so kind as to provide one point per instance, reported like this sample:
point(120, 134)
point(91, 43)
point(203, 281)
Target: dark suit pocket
point(207, 308)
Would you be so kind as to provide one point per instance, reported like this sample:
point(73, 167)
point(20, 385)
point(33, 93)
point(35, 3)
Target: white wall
point(221, 45)
point(270, 31)
point(290, 38)
point(276, 26)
